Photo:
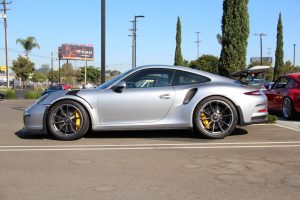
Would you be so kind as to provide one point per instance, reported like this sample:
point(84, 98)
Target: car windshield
point(113, 80)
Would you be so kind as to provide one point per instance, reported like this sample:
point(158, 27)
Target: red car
point(284, 95)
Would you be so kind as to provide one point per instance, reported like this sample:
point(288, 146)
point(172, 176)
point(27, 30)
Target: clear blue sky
point(68, 21)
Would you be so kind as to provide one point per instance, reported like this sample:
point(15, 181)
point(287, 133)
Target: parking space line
point(149, 144)
point(291, 145)
point(283, 126)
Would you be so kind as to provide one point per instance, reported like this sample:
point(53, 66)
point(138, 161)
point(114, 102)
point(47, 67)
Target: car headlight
point(42, 98)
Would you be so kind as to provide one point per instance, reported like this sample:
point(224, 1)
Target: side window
point(291, 84)
point(150, 78)
point(185, 78)
point(281, 83)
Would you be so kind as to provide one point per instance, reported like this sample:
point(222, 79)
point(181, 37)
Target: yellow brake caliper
point(78, 120)
point(204, 120)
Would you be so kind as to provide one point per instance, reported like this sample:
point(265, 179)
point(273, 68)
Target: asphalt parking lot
point(256, 162)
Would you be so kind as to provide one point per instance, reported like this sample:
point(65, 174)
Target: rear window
point(55, 88)
point(186, 78)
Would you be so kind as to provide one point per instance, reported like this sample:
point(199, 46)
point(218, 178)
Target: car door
point(278, 92)
point(147, 98)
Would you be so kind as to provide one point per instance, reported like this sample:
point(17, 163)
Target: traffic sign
point(2, 68)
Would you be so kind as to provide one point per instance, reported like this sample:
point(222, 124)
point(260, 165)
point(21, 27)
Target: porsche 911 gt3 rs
point(148, 98)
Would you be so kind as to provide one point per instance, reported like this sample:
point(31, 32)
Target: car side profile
point(283, 95)
point(150, 98)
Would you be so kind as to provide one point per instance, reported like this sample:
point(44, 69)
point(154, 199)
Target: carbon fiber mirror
point(119, 87)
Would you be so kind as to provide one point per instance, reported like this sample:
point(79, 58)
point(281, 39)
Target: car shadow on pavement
point(167, 134)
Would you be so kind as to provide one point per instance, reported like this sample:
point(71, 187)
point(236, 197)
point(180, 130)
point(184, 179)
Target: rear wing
point(249, 73)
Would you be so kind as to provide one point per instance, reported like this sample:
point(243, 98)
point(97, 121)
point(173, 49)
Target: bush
point(9, 94)
point(272, 119)
point(30, 94)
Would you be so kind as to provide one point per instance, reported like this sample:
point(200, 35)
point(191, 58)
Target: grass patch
point(272, 119)
point(9, 93)
point(33, 94)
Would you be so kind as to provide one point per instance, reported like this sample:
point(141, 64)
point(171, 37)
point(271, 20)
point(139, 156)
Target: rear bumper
point(254, 120)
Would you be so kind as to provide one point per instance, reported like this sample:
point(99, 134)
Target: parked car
point(56, 88)
point(284, 95)
point(2, 96)
point(150, 97)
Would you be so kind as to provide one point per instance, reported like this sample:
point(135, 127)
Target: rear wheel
point(288, 109)
point(215, 117)
point(68, 120)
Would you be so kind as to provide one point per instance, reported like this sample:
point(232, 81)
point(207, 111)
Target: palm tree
point(28, 44)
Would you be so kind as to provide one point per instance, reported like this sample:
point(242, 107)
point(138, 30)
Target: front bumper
point(33, 118)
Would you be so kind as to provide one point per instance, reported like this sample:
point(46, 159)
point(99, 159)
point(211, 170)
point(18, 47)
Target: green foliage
point(9, 93)
point(39, 77)
point(92, 75)
point(28, 44)
point(23, 68)
point(235, 32)
point(53, 76)
point(33, 94)
point(178, 61)
point(272, 119)
point(68, 74)
point(208, 63)
point(279, 50)
point(288, 68)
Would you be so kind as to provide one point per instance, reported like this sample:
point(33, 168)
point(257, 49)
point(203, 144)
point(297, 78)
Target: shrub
point(272, 119)
point(9, 94)
point(30, 94)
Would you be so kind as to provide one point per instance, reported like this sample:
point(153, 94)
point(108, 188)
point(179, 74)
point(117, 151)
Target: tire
point(288, 109)
point(68, 120)
point(215, 117)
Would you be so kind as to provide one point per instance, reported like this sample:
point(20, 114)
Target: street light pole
point(103, 42)
point(261, 36)
point(134, 38)
point(198, 43)
point(294, 55)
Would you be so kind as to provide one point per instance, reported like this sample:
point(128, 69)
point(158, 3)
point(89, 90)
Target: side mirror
point(119, 87)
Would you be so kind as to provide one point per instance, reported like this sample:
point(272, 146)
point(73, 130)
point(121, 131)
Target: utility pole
point(5, 32)
point(261, 36)
point(103, 42)
point(198, 43)
point(52, 67)
point(134, 38)
point(294, 55)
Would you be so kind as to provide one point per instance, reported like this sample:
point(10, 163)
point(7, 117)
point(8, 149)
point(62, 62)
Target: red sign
point(77, 52)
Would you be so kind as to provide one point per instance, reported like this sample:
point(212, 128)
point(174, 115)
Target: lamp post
point(294, 55)
point(134, 38)
point(103, 44)
point(261, 36)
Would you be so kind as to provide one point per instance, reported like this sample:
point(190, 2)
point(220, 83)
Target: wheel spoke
point(58, 122)
point(227, 115)
point(220, 127)
point(224, 109)
point(72, 128)
point(213, 128)
point(62, 127)
point(210, 106)
point(225, 123)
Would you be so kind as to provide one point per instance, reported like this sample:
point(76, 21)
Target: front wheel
point(215, 117)
point(68, 120)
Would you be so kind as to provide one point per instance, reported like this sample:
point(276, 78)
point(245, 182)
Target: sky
point(54, 22)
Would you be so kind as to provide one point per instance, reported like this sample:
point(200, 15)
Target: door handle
point(165, 96)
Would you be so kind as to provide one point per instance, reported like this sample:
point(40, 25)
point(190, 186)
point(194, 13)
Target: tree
point(219, 38)
point(279, 50)
point(208, 63)
point(92, 75)
point(68, 73)
point(178, 61)
point(23, 68)
point(235, 32)
point(288, 68)
point(53, 76)
point(39, 77)
point(28, 44)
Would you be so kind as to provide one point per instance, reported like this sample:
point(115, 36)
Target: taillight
point(263, 110)
point(255, 93)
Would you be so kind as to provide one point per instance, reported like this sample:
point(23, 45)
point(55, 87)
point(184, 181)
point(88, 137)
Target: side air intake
point(189, 95)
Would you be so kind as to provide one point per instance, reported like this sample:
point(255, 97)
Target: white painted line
point(151, 148)
point(283, 126)
point(157, 144)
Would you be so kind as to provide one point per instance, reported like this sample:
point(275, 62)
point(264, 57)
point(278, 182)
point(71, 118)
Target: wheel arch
point(84, 105)
point(239, 111)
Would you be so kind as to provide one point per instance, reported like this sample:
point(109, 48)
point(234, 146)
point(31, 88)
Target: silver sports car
point(148, 98)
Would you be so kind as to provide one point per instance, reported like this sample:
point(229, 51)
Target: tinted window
point(291, 84)
point(150, 78)
point(185, 78)
point(55, 88)
point(281, 83)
